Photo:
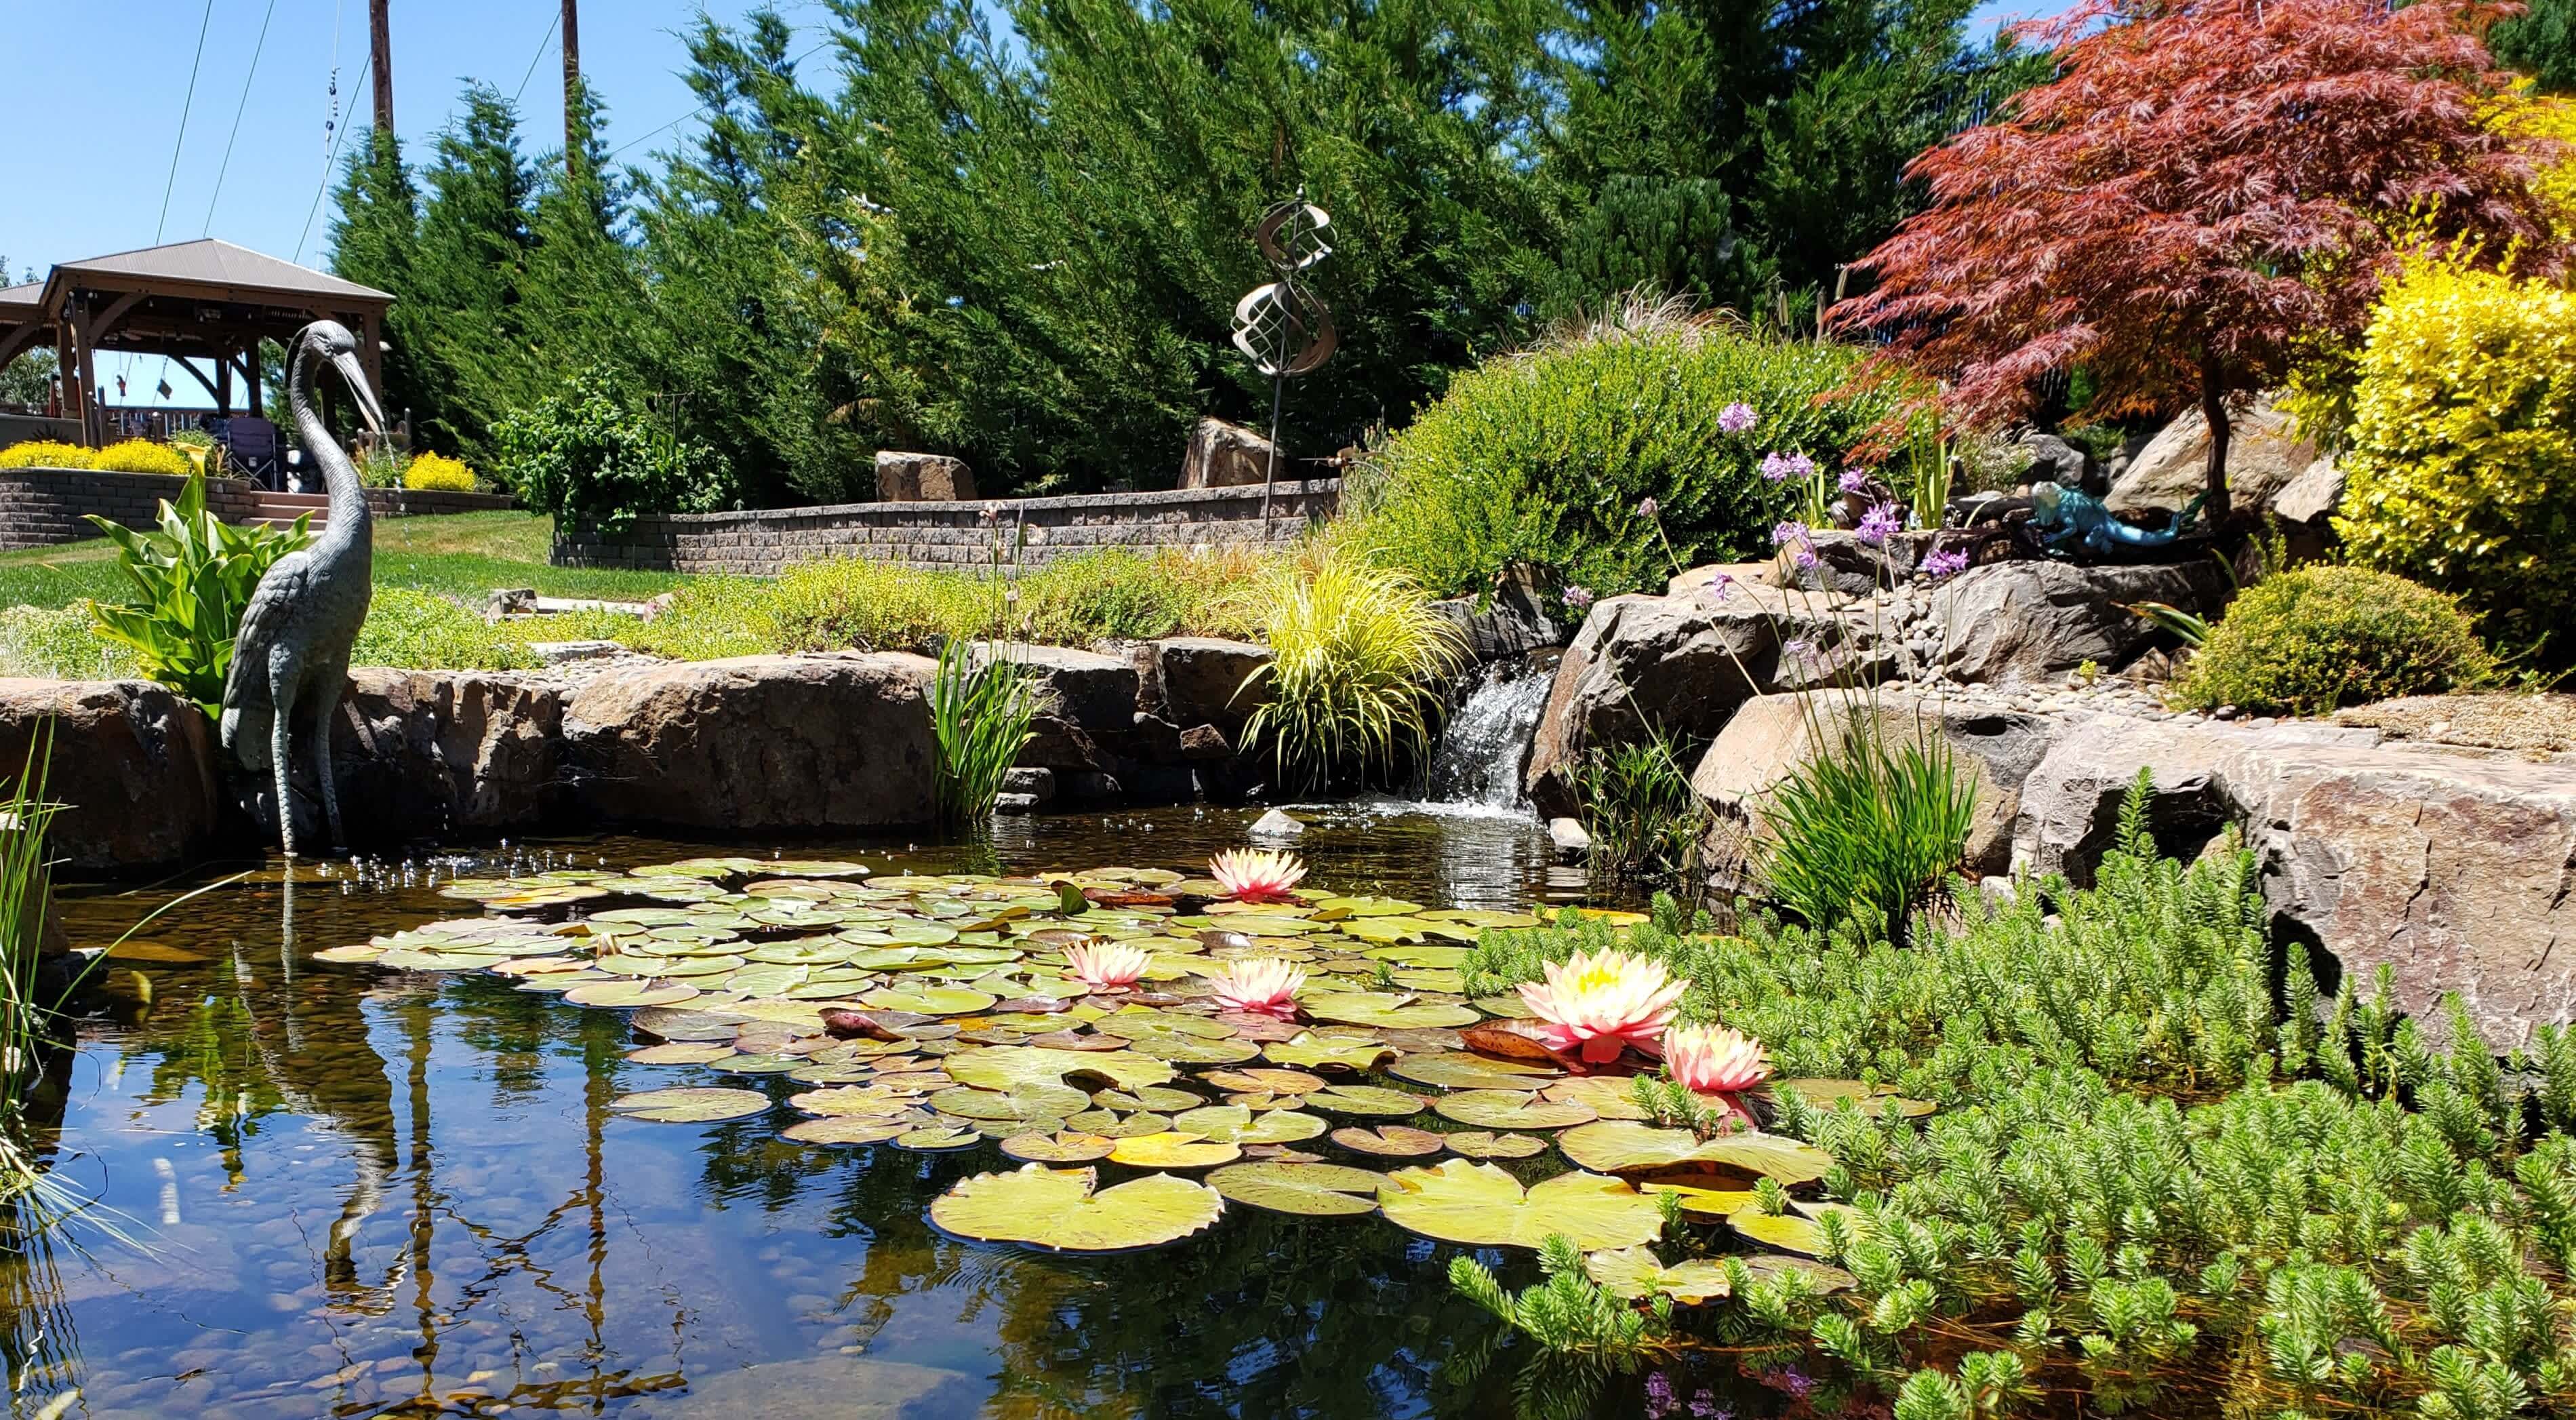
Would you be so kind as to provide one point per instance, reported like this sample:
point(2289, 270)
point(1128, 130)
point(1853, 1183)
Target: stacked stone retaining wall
point(43, 506)
point(931, 535)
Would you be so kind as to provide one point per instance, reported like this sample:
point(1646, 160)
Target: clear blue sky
point(99, 94)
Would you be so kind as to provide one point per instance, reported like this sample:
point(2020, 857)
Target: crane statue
point(292, 653)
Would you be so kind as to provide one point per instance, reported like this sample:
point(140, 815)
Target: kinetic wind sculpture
point(292, 653)
point(1280, 325)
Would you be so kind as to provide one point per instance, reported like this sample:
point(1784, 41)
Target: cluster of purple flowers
point(1855, 480)
point(1577, 598)
point(1662, 1400)
point(1735, 418)
point(1802, 548)
point(1780, 468)
point(1880, 523)
point(1647, 508)
point(1718, 588)
point(1945, 564)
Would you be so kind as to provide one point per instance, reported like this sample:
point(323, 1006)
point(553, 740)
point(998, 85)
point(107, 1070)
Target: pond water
point(353, 1193)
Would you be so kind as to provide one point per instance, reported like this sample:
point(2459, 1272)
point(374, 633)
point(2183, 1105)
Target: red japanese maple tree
point(2205, 186)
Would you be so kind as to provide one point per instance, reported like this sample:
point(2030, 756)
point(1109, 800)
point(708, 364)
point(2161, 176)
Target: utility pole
point(380, 36)
point(575, 136)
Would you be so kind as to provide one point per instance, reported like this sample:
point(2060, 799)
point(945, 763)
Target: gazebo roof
point(214, 268)
point(18, 303)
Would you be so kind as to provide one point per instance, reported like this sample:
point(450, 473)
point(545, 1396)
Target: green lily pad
point(1023, 1104)
point(1482, 1206)
point(1635, 1273)
point(1609, 1096)
point(1390, 1141)
point(702, 1104)
point(1262, 1081)
point(937, 1139)
point(1000, 1067)
point(630, 993)
point(1235, 1124)
point(1788, 1232)
point(857, 1101)
point(1057, 1210)
point(1510, 1109)
point(682, 1052)
point(1365, 1100)
point(1389, 1010)
point(1173, 1149)
point(1314, 1052)
point(1481, 1144)
point(1458, 1070)
point(847, 1131)
point(1310, 1190)
point(930, 1000)
point(814, 868)
point(1062, 1147)
point(1629, 1146)
point(1161, 1099)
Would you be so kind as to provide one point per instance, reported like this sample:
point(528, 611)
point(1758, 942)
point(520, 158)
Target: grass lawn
point(462, 555)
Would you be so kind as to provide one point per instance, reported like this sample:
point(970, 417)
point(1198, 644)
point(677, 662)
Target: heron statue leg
point(282, 679)
point(324, 687)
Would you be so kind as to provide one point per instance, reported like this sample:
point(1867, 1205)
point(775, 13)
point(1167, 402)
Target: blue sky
point(102, 104)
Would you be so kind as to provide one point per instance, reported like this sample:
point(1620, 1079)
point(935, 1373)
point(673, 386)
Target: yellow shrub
point(44, 453)
point(141, 456)
point(2462, 467)
point(438, 472)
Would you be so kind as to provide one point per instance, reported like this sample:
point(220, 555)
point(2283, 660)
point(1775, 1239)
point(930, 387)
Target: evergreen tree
point(2541, 42)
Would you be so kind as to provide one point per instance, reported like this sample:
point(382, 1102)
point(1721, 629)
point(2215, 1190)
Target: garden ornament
point(2060, 515)
point(292, 652)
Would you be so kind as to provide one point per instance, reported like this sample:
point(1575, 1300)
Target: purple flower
point(1945, 564)
point(1735, 418)
point(1780, 468)
point(1855, 480)
point(1793, 536)
point(1879, 524)
point(1718, 588)
point(1647, 508)
point(1577, 598)
point(1659, 1396)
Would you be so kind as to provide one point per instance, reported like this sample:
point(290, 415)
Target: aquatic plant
point(1350, 691)
point(1870, 821)
point(1106, 966)
point(1635, 801)
point(980, 708)
point(1713, 1059)
point(1261, 986)
point(1256, 874)
point(195, 573)
point(1600, 1004)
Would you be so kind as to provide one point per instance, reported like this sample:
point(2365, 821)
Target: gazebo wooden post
point(67, 367)
point(224, 384)
point(258, 407)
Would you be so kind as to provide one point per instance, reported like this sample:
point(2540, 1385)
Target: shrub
point(1355, 652)
point(1637, 806)
point(141, 456)
point(424, 631)
point(1543, 457)
point(196, 574)
point(431, 472)
point(1870, 823)
point(2462, 468)
point(588, 454)
point(2315, 639)
point(44, 453)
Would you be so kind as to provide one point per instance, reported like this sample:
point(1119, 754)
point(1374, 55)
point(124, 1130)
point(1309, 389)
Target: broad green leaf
point(1057, 1209)
point(1482, 1206)
point(1312, 1190)
point(1635, 1273)
point(1631, 1146)
point(703, 1104)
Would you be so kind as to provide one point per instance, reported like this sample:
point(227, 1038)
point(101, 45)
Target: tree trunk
point(2213, 407)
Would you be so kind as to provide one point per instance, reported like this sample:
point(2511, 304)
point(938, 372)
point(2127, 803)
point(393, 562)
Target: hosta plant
point(194, 575)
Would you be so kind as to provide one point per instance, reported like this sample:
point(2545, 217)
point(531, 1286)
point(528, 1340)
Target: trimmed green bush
point(2315, 639)
point(1544, 457)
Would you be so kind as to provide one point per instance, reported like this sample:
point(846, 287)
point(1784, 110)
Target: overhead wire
point(542, 42)
point(176, 148)
point(257, 49)
point(650, 134)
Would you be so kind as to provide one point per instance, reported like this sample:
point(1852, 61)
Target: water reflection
point(406, 1195)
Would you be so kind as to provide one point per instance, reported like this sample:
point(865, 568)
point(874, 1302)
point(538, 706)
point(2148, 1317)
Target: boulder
point(1515, 619)
point(422, 753)
point(759, 742)
point(1199, 680)
point(2264, 453)
point(2449, 866)
point(2311, 496)
point(1037, 785)
point(1223, 455)
point(134, 765)
point(2062, 463)
point(923, 478)
point(1092, 691)
point(2017, 623)
point(1059, 744)
point(1773, 736)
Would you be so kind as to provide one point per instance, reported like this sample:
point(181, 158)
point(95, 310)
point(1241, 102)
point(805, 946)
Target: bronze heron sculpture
point(292, 652)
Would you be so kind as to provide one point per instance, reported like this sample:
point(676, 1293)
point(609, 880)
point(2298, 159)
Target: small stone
point(1277, 824)
point(1572, 843)
point(1015, 803)
point(2223, 712)
point(555, 653)
point(2437, 729)
point(1998, 891)
point(1035, 781)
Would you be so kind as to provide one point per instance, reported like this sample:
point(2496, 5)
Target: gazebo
point(205, 300)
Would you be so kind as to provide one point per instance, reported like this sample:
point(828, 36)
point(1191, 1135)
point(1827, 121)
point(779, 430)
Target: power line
point(256, 50)
point(540, 54)
point(330, 160)
point(203, 24)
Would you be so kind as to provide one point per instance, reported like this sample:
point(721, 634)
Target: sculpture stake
point(1280, 325)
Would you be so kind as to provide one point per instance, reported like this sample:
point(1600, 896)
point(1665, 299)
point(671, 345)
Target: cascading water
point(1487, 742)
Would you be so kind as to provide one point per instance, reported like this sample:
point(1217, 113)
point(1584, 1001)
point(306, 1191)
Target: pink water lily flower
point(1714, 1059)
point(1105, 966)
point(1261, 986)
point(1256, 874)
point(1601, 1003)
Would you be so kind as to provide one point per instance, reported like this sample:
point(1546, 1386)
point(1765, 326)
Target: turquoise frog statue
point(2062, 515)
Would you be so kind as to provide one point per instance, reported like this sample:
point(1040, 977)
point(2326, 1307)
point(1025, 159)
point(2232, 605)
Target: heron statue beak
point(356, 375)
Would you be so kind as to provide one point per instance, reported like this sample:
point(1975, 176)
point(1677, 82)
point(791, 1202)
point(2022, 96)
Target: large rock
point(1223, 455)
point(2450, 867)
point(422, 753)
point(1773, 736)
point(1094, 692)
point(2264, 453)
point(2013, 623)
point(1199, 680)
point(2313, 495)
point(923, 478)
point(133, 764)
point(1511, 621)
point(2062, 463)
point(760, 742)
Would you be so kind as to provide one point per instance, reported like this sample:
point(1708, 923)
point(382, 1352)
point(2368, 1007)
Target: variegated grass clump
point(1353, 687)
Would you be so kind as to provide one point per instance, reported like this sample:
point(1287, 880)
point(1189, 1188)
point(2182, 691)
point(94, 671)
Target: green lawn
point(462, 555)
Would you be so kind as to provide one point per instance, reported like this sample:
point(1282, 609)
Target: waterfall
point(1487, 742)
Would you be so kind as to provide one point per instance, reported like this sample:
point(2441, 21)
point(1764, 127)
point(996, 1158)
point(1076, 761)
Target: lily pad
point(1311, 1190)
point(1510, 1109)
point(1457, 1070)
point(1025, 1104)
point(1314, 1052)
point(1482, 1206)
point(631, 993)
point(1635, 1273)
point(931, 1000)
point(1263, 1081)
point(1609, 1096)
point(1057, 1209)
point(1365, 1100)
point(1787, 1231)
point(1390, 1141)
point(1392, 1009)
point(1482, 1144)
point(938, 1139)
point(1173, 1149)
point(1002, 1066)
point(846, 1131)
point(1234, 1124)
point(1872, 1100)
point(1061, 1147)
point(702, 1104)
point(1630, 1146)
point(682, 1052)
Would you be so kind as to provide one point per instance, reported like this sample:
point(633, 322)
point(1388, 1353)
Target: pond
point(352, 1192)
